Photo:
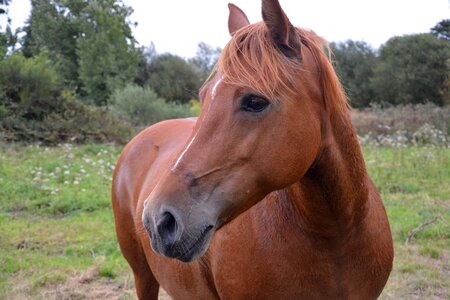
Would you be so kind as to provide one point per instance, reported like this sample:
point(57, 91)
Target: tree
point(205, 59)
point(174, 79)
point(146, 56)
point(355, 62)
point(413, 69)
point(8, 39)
point(3, 4)
point(53, 28)
point(89, 42)
point(442, 30)
point(106, 50)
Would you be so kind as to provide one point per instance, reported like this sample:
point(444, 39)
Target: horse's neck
point(334, 192)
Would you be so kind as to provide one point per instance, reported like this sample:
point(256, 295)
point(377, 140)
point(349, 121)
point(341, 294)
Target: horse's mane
point(252, 60)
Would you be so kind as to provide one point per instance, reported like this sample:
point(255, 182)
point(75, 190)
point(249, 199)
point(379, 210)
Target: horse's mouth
point(191, 248)
point(198, 247)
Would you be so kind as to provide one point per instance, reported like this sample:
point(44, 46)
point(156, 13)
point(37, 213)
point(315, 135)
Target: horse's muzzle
point(170, 237)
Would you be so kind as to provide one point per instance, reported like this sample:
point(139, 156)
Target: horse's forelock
point(250, 59)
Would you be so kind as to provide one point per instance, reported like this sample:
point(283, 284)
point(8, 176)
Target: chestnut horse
point(266, 195)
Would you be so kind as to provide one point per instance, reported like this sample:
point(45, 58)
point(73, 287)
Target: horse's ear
point(237, 18)
point(282, 31)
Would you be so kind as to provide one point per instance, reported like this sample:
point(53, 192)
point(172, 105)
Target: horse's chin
point(191, 247)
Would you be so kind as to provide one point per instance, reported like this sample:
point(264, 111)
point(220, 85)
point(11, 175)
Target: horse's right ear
point(237, 18)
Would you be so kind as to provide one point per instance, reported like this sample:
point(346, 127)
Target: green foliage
point(106, 52)
point(3, 45)
point(30, 87)
point(355, 61)
point(195, 107)
point(75, 123)
point(142, 106)
point(173, 78)
point(89, 42)
point(205, 60)
point(35, 108)
point(413, 69)
point(442, 30)
point(146, 55)
point(8, 39)
point(53, 29)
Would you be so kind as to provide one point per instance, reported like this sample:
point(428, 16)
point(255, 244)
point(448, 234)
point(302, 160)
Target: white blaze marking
point(182, 153)
point(214, 89)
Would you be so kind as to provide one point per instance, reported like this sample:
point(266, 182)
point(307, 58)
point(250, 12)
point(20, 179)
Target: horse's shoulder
point(155, 142)
point(156, 138)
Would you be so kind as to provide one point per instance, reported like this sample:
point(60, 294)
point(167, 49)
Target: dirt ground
point(87, 286)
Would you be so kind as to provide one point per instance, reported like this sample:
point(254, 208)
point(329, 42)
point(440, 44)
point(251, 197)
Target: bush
point(29, 87)
point(173, 78)
point(142, 106)
point(403, 117)
point(35, 108)
point(404, 124)
point(74, 123)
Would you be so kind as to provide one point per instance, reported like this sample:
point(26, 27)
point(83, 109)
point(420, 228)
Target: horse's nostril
point(167, 228)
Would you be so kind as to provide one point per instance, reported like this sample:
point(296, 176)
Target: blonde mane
point(251, 59)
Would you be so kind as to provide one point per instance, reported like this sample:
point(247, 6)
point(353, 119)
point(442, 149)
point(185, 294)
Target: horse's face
point(244, 146)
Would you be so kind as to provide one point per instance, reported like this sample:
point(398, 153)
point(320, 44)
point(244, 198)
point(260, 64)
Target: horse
point(265, 195)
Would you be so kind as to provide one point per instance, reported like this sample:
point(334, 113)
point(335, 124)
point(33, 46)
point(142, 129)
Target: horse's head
point(260, 130)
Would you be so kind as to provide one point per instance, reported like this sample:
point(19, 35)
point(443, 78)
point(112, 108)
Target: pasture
point(57, 237)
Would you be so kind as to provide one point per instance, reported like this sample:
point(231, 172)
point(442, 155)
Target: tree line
point(75, 71)
point(76, 63)
point(408, 69)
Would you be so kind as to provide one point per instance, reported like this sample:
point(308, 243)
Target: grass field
point(57, 238)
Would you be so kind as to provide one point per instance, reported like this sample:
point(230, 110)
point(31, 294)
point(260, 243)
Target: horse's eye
point(253, 103)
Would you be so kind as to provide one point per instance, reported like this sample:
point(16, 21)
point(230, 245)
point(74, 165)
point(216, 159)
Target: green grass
point(57, 237)
point(414, 183)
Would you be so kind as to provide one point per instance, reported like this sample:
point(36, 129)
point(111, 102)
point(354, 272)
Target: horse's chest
point(269, 264)
point(267, 272)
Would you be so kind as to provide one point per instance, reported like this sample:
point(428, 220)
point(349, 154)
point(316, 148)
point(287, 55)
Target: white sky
point(177, 26)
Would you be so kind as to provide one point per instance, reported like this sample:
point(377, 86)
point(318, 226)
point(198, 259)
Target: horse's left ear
point(237, 18)
point(282, 31)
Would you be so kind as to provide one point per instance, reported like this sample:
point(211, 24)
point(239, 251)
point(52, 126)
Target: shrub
point(75, 122)
point(173, 78)
point(142, 106)
point(35, 108)
point(404, 125)
point(30, 87)
point(403, 117)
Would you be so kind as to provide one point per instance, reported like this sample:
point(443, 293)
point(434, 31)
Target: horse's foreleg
point(146, 285)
